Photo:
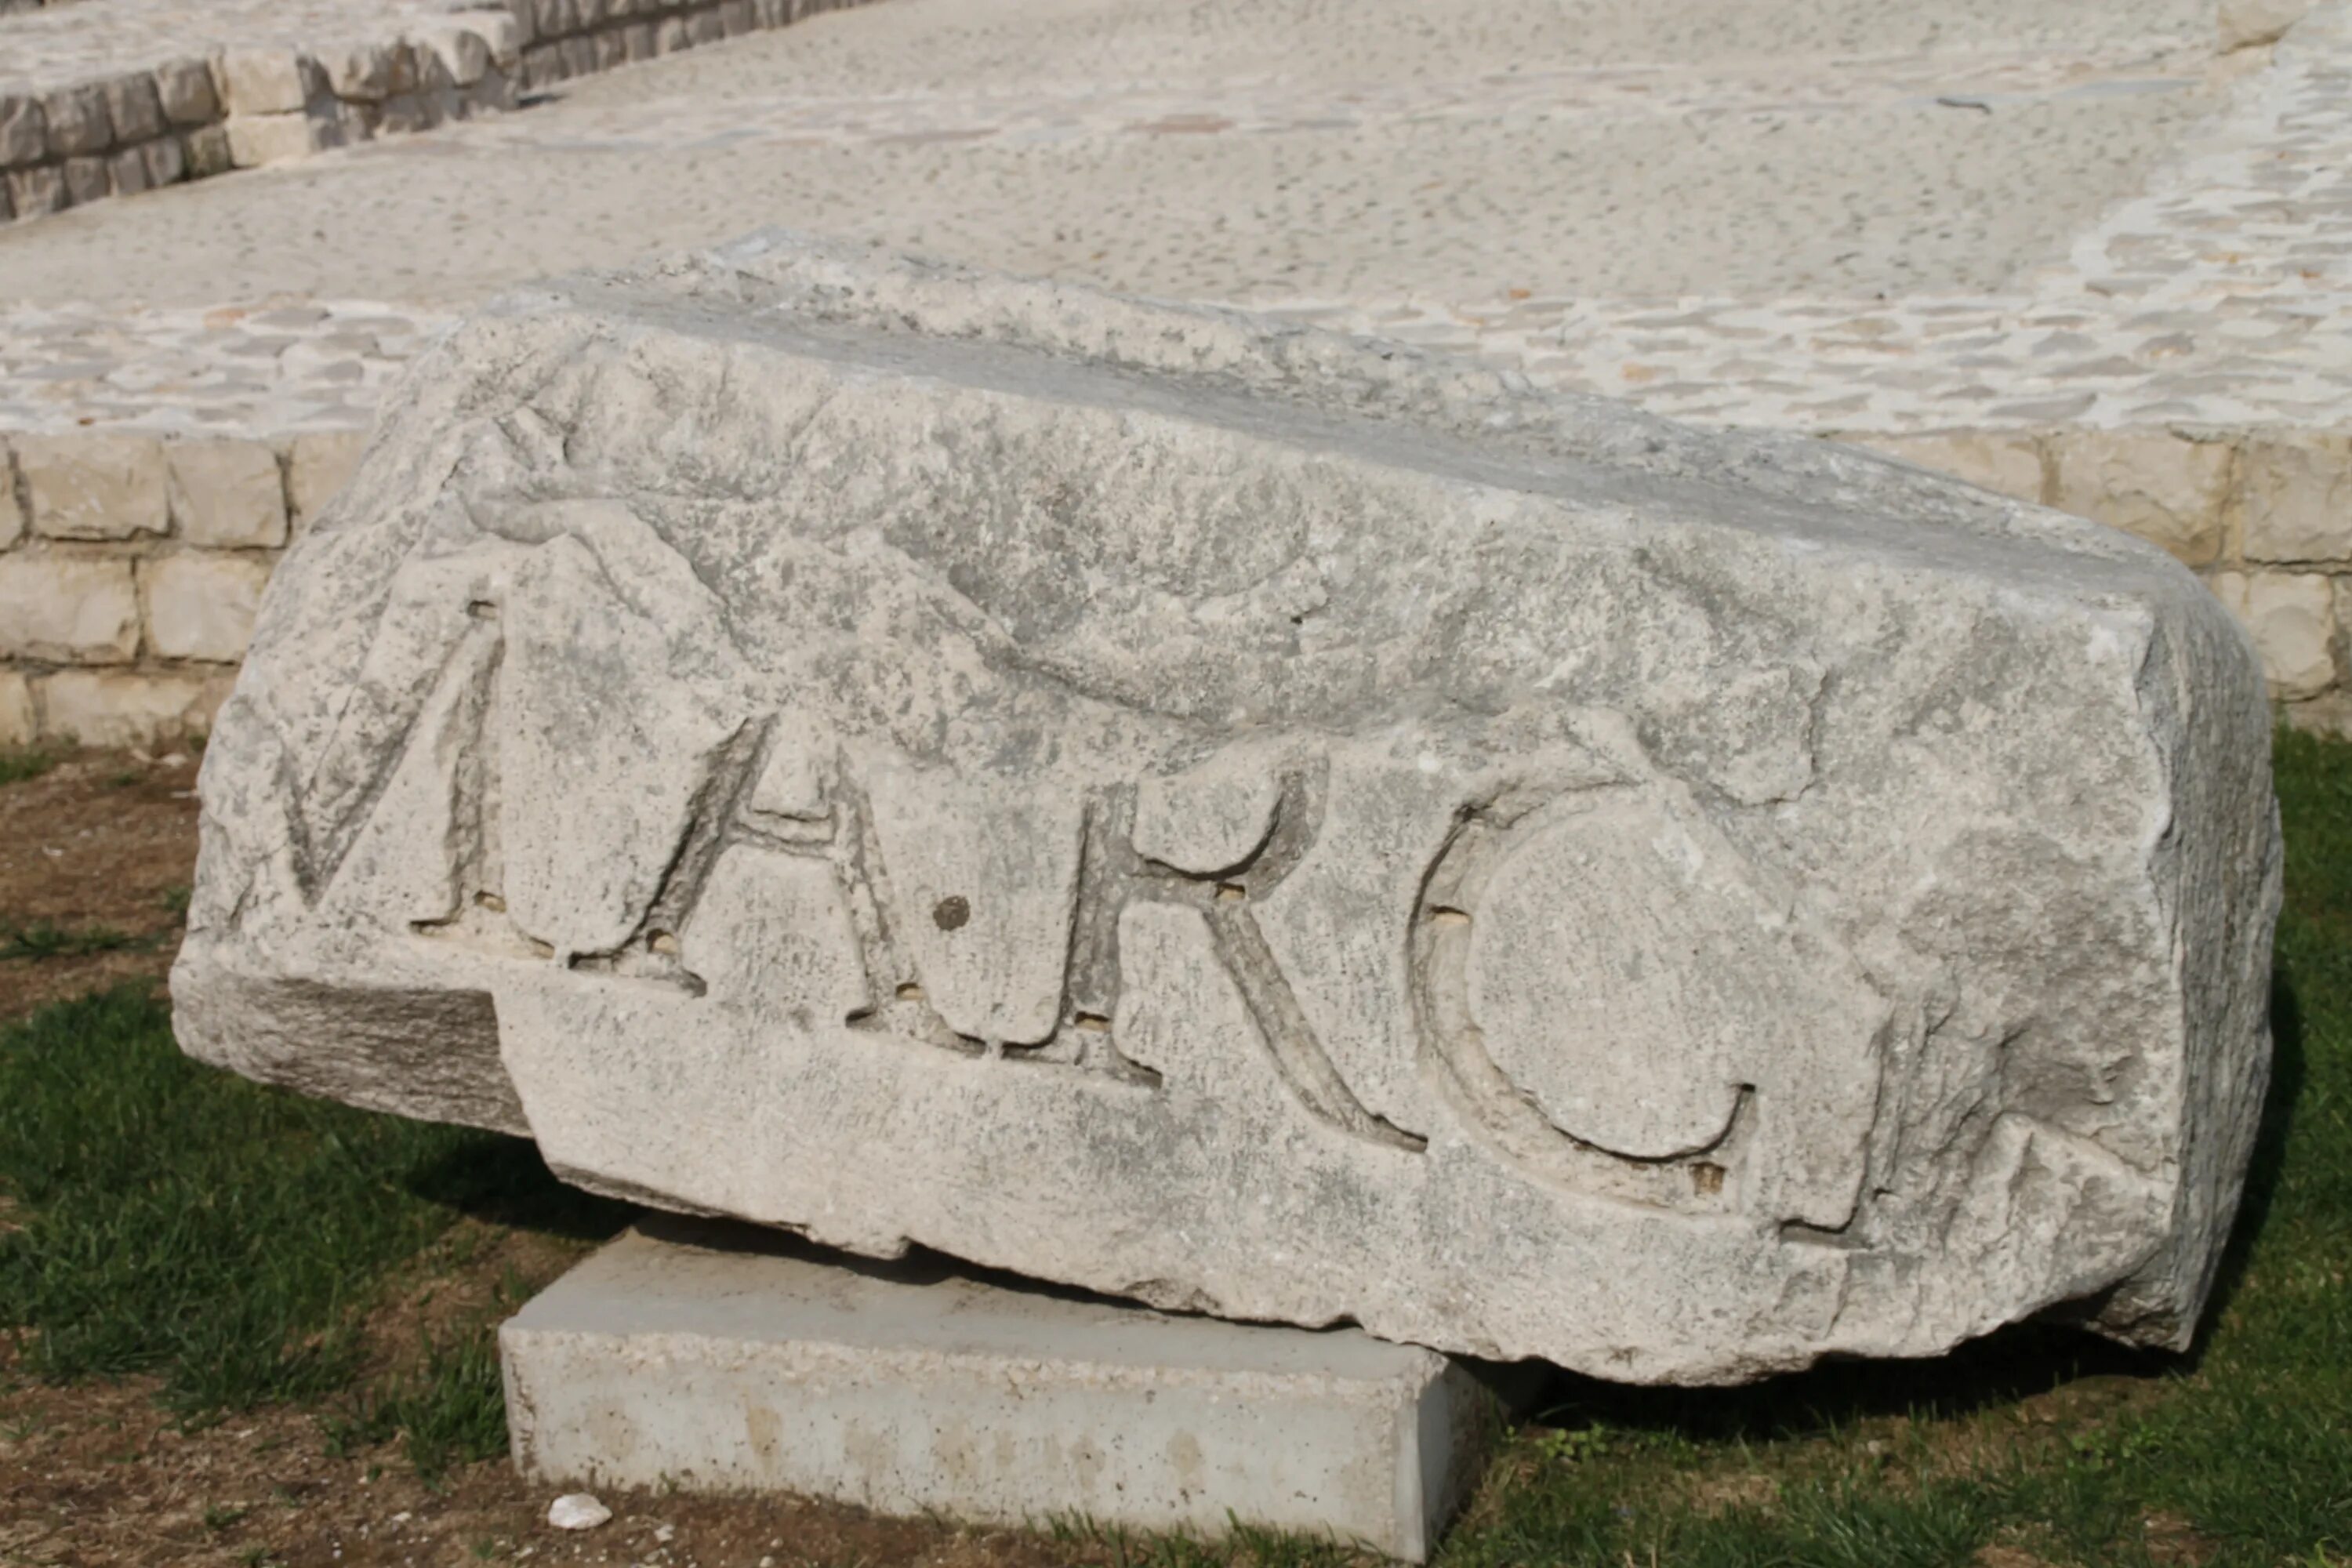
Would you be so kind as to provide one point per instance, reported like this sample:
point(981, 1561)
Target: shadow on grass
point(502, 1181)
point(2288, 1070)
point(2001, 1369)
point(2009, 1364)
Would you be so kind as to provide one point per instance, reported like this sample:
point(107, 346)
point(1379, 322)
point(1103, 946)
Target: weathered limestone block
point(166, 161)
point(686, 1354)
point(133, 109)
point(185, 87)
point(209, 153)
point(2296, 496)
point(126, 172)
point(62, 610)
point(269, 81)
point(201, 605)
point(24, 130)
point(12, 515)
point(463, 52)
point(363, 72)
point(499, 33)
point(93, 485)
point(87, 180)
point(2292, 616)
point(76, 120)
point(1255, 822)
point(318, 464)
point(255, 140)
point(18, 723)
point(227, 494)
point(2010, 464)
point(2153, 484)
point(33, 193)
point(121, 708)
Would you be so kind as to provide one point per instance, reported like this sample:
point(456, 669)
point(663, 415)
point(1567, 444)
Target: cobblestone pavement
point(2218, 291)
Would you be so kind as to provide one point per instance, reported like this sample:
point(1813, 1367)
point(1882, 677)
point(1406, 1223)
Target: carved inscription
point(1579, 966)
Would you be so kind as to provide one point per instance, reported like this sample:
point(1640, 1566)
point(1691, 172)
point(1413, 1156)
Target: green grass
point(2239, 1453)
point(447, 1408)
point(2039, 1441)
point(19, 764)
point(47, 939)
point(227, 1238)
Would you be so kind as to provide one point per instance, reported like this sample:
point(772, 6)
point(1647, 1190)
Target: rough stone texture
point(132, 107)
point(19, 724)
point(24, 130)
point(64, 610)
point(12, 511)
point(209, 153)
point(2005, 462)
point(94, 487)
point(2161, 487)
point(32, 192)
point(319, 463)
point(1092, 787)
point(2297, 498)
point(683, 1356)
point(255, 140)
point(268, 82)
point(227, 494)
point(2243, 24)
point(2291, 617)
point(184, 87)
point(119, 708)
point(76, 120)
point(201, 607)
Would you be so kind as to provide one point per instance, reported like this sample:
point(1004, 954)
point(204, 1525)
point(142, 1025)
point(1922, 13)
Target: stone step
point(726, 1359)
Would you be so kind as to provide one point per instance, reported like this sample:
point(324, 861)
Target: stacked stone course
point(131, 569)
point(239, 106)
point(564, 38)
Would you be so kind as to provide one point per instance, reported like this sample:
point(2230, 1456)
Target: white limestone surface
point(689, 1357)
point(1255, 821)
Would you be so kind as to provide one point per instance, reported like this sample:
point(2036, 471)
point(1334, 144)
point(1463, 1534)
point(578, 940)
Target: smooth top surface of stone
point(1253, 821)
point(672, 1280)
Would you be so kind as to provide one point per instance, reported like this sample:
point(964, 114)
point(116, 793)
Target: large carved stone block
point(1253, 821)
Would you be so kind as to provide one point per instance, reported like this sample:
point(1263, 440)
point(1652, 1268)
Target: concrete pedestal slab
point(718, 1359)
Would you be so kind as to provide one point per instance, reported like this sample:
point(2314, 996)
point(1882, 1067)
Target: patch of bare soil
point(103, 845)
point(97, 1475)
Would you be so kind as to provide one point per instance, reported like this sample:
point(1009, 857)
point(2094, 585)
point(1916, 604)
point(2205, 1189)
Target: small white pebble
point(577, 1510)
point(666, 1534)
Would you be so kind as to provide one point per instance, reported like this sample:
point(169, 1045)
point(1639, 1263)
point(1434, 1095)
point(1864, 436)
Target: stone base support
point(728, 1360)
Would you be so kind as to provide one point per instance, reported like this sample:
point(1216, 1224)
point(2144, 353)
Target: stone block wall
point(2264, 516)
point(131, 565)
point(563, 38)
point(214, 109)
point(130, 568)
